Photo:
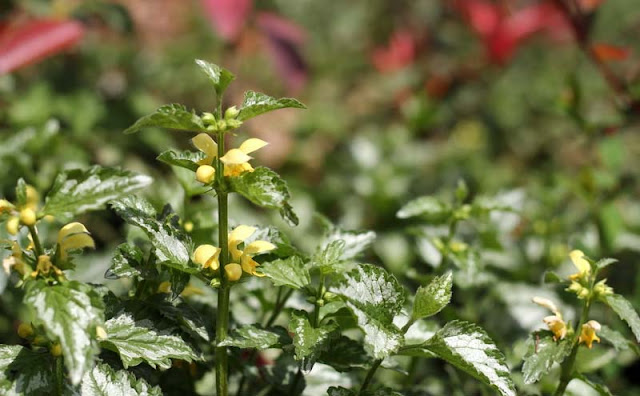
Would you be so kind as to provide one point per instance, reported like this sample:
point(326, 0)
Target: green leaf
point(171, 116)
point(138, 341)
point(426, 207)
point(308, 341)
point(183, 159)
point(171, 245)
point(615, 338)
point(329, 257)
point(256, 103)
point(596, 385)
point(432, 298)
point(183, 315)
point(265, 188)
point(375, 297)
point(24, 372)
point(103, 380)
point(605, 262)
point(127, 262)
point(21, 192)
point(69, 313)
point(355, 242)
point(219, 76)
point(252, 336)
point(289, 272)
point(543, 352)
point(77, 191)
point(344, 354)
point(340, 391)
point(625, 311)
point(550, 277)
point(469, 348)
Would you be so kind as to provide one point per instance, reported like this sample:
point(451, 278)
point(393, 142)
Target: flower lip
point(235, 157)
point(580, 262)
point(588, 333)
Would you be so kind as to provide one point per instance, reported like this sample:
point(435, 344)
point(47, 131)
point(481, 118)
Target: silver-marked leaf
point(374, 297)
point(256, 103)
point(308, 341)
point(219, 76)
point(469, 348)
point(328, 258)
point(127, 262)
point(251, 336)
point(138, 341)
point(184, 316)
point(171, 116)
point(69, 313)
point(427, 207)
point(432, 298)
point(265, 188)
point(605, 262)
point(625, 311)
point(543, 352)
point(77, 191)
point(103, 380)
point(184, 159)
point(355, 242)
point(25, 372)
point(287, 272)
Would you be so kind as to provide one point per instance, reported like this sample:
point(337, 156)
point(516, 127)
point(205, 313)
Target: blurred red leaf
point(400, 52)
point(607, 52)
point(35, 40)
point(228, 17)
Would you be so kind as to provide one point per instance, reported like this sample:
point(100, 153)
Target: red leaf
point(228, 17)
point(35, 40)
point(607, 52)
point(400, 52)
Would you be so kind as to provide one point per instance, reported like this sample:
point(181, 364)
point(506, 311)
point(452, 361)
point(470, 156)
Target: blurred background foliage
point(536, 115)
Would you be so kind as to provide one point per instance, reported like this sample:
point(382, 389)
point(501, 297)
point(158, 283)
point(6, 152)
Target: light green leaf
point(184, 159)
point(375, 297)
point(596, 385)
point(219, 76)
point(625, 311)
point(265, 188)
point(77, 191)
point(328, 258)
point(287, 272)
point(432, 298)
point(256, 103)
point(355, 242)
point(138, 341)
point(427, 207)
point(103, 380)
point(469, 348)
point(69, 313)
point(171, 116)
point(308, 341)
point(252, 336)
point(543, 352)
point(24, 372)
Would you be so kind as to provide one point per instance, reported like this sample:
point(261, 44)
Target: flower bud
point(13, 225)
point(56, 349)
point(5, 206)
point(28, 217)
point(602, 289)
point(222, 125)
point(208, 118)
point(101, 333)
point(231, 113)
point(164, 287)
point(234, 124)
point(233, 271)
point(205, 174)
point(25, 330)
point(188, 226)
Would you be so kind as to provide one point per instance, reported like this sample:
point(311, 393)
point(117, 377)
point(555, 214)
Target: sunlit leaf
point(432, 298)
point(543, 353)
point(625, 311)
point(287, 272)
point(103, 380)
point(171, 116)
point(256, 103)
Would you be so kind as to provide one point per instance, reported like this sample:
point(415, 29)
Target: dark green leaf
point(287, 272)
point(469, 348)
point(183, 315)
point(552, 277)
point(619, 342)
point(543, 352)
point(219, 76)
point(184, 159)
point(605, 262)
point(340, 391)
point(596, 385)
point(103, 380)
point(179, 280)
point(256, 103)
point(344, 354)
point(24, 372)
point(432, 298)
point(69, 313)
point(77, 191)
point(625, 311)
point(265, 188)
point(252, 336)
point(427, 207)
point(308, 341)
point(126, 263)
point(171, 116)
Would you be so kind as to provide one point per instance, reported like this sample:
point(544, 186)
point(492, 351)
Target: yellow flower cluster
point(24, 214)
point(555, 322)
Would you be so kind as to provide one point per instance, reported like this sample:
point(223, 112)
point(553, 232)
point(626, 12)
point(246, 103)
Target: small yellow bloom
point(101, 333)
point(207, 145)
point(207, 256)
point(28, 217)
point(557, 326)
point(205, 174)
point(236, 161)
point(13, 225)
point(602, 289)
point(581, 263)
point(45, 266)
point(188, 226)
point(245, 257)
point(25, 330)
point(32, 198)
point(588, 334)
point(164, 287)
point(73, 236)
point(233, 271)
point(6, 206)
point(56, 349)
point(15, 260)
point(546, 303)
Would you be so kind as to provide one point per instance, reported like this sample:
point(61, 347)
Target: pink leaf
point(228, 17)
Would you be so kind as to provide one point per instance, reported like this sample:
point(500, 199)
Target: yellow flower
point(602, 289)
point(13, 225)
point(164, 287)
point(245, 257)
point(581, 263)
point(207, 256)
point(32, 198)
point(15, 260)
point(588, 334)
point(73, 236)
point(236, 161)
point(45, 266)
point(25, 330)
point(557, 326)
point(6, 206)
point(233, 271)
point(56, 349)
point(28, 217)
point(545, 302)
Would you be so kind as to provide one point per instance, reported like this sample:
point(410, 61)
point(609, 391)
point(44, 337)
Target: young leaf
point(619, 342)
point(467, 347)
point(137, 341)
point(543, 352)
point(432, 298)
point(265, 188)
point(24, 372)
point(625, 311)
point(252, 336)
point(256, 103)
point(375, 297)
point(77, 191)
point(605, 262)
point(184, 159)
point(181, 314)
point(287, 272)
point(427, 207)
point(309, 342)
point(329, 257)
point(126, 263)
point(355, 242)
point(171, 116)
point(103, 380)
point(69, 314)
point(219, 76)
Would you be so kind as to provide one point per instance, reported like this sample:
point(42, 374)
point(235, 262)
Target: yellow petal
point(235, 157)
point(32, 198)
point(583, 266)
point(557, 327)
point(71, 228)
point(77, 241)
point(251, 145)
point(13, 225)
point(5, 206)
point(205, 174)
point(241, 232)
point(206, 144)
point(233, 271)
point(204, 254)
point(545, 302)
point(588, 333)
point(249, 266)
point(256, 247)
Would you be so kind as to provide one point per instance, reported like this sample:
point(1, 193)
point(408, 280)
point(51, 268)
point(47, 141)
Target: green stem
point(369, 377)
point(36, 240)
point(59, 376)
point(316, 311)
point(280, 302)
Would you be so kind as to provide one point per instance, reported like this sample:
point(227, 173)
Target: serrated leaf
point(69, 314)
point(375, 297)
point(77, 191)
point(184, 315)
point(432, 298)
point(605, 262)
point(469, 348)
point(103, 380)
point(265, 188)
point(625, 311)
point(289, 272)
point(126, 263)
point(308, 341)
point(178, 280)
point(252, 336)
point(596, 385)
point(543, 352)
point(138, 341)
point(355, 242)
point(24, 372)
point(619, 342)
point(171, 245)
point(256, 103)
point(344, 354)
point(184, 159)
point(171, 116)
point(219, 76)
point(427, 207)
point(329, 257)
